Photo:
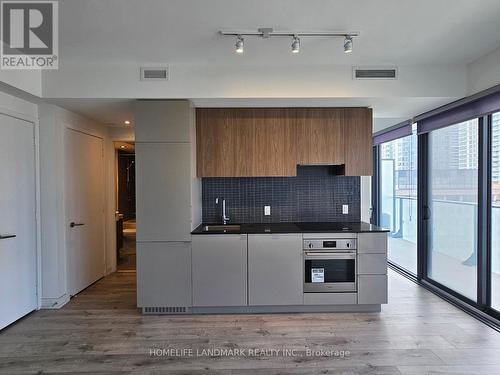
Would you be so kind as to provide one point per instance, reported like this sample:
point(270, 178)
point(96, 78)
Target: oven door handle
point(325, 255)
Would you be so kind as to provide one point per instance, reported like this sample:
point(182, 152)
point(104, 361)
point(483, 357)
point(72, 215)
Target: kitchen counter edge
point(284, 228)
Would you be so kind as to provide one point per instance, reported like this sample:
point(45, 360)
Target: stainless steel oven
point(330, 265)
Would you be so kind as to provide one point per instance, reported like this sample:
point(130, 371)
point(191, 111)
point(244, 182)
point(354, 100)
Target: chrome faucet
point(225, 218)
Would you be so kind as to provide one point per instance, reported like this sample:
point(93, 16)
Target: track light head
point(295, 44)
point(348, 44)
point(239, 44)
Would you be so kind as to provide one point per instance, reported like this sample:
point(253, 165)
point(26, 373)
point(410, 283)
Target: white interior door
point(17, 220)
point(84, 199)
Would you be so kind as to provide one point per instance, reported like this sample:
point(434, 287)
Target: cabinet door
point(372, 243)
point(219, 270)
point(320, 136)
point(275, 270)
point(223, 141)
point(164, 274)
point(273, 143)
point(372, 289)
point(163, 191)
point(163, 120)
point(372, 264)
point(245, 142)
point(358, 141)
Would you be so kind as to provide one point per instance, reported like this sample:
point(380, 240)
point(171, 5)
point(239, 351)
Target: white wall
point(26, 80)
point(53, 121)
point(484, 72)
point(12, 105)
point(121, 80)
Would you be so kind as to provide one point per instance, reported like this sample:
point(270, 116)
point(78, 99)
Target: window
point(398, 199)
point(495, 212)
point(453, 202)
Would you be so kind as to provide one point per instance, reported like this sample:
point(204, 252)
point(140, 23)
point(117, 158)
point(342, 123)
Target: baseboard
point(55, 303)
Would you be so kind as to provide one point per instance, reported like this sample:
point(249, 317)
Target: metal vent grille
point(155, 310)
point(375, 73)
point(155, 74)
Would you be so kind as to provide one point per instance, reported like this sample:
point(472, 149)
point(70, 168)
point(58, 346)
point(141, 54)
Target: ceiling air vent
point(375, 73)
point(154, 73)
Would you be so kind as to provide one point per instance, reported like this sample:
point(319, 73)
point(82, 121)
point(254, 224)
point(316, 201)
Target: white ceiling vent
point(374, 73)
point(155, 73)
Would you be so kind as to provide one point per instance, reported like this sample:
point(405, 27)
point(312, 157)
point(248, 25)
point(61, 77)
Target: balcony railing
point(452, 223)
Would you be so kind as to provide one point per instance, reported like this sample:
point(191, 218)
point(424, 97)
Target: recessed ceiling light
point(127, 122)
point(295, 44)
point(348, 44)
point(122, 146)
point(239, 44)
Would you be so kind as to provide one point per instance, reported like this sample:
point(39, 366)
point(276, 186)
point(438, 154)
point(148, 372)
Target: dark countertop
point(334, 227)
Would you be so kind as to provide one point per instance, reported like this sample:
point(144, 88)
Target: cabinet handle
point(7, 236)
point(73, 224)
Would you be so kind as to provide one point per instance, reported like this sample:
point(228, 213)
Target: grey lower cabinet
point(164, 274)
point(372, 268)
point(372, 289)
point(219, 267)
point(275, 269)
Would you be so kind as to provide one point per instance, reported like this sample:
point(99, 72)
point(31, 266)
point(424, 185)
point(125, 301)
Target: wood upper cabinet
point(320, 136)
point(358, 141)
point(273, 143)
point(254, 142)
point(245, 142)
point(223, 141)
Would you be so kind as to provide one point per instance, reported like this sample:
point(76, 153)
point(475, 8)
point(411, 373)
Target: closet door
point(17, 220)
point(84, 199)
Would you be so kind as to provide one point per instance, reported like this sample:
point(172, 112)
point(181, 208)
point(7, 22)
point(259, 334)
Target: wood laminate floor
point(101, 332)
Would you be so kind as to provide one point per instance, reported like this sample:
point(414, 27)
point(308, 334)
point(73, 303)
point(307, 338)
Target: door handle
point(7, 236)
point(73, 224)
point(427, 212)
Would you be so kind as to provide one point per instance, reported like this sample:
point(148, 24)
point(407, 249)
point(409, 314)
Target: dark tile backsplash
point(314, 195)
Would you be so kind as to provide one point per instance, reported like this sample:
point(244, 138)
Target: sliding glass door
point(398, 199)
point(495, 212)
point(452, 207)
point(450, 237)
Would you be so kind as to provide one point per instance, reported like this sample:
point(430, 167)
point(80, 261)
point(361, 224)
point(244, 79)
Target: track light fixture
point(239, 44)
point(267, 32)
point(348, 44)
point(295, 44)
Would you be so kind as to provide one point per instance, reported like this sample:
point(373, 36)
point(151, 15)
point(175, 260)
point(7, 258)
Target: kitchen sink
point(222, 228)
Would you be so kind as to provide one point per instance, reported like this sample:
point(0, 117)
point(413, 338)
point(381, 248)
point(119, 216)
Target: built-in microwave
point(329, 265)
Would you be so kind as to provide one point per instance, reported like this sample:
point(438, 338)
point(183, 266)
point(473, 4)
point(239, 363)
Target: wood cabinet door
point(358, 142)
point(223, 141)
point(273, 143)
point(320, 136)
point(245, 142)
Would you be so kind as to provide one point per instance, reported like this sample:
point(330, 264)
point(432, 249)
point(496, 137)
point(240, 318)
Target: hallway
point(100, 331)
point(127, 255)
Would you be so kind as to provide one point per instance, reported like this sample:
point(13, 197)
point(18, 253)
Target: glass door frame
point(483, 302)
point(376, 197)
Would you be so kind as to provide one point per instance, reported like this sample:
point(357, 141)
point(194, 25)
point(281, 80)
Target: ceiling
point(424, 33)
point(397, 32)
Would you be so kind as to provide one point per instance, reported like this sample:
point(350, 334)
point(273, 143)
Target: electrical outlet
point(267, 210)
point(345, 209)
